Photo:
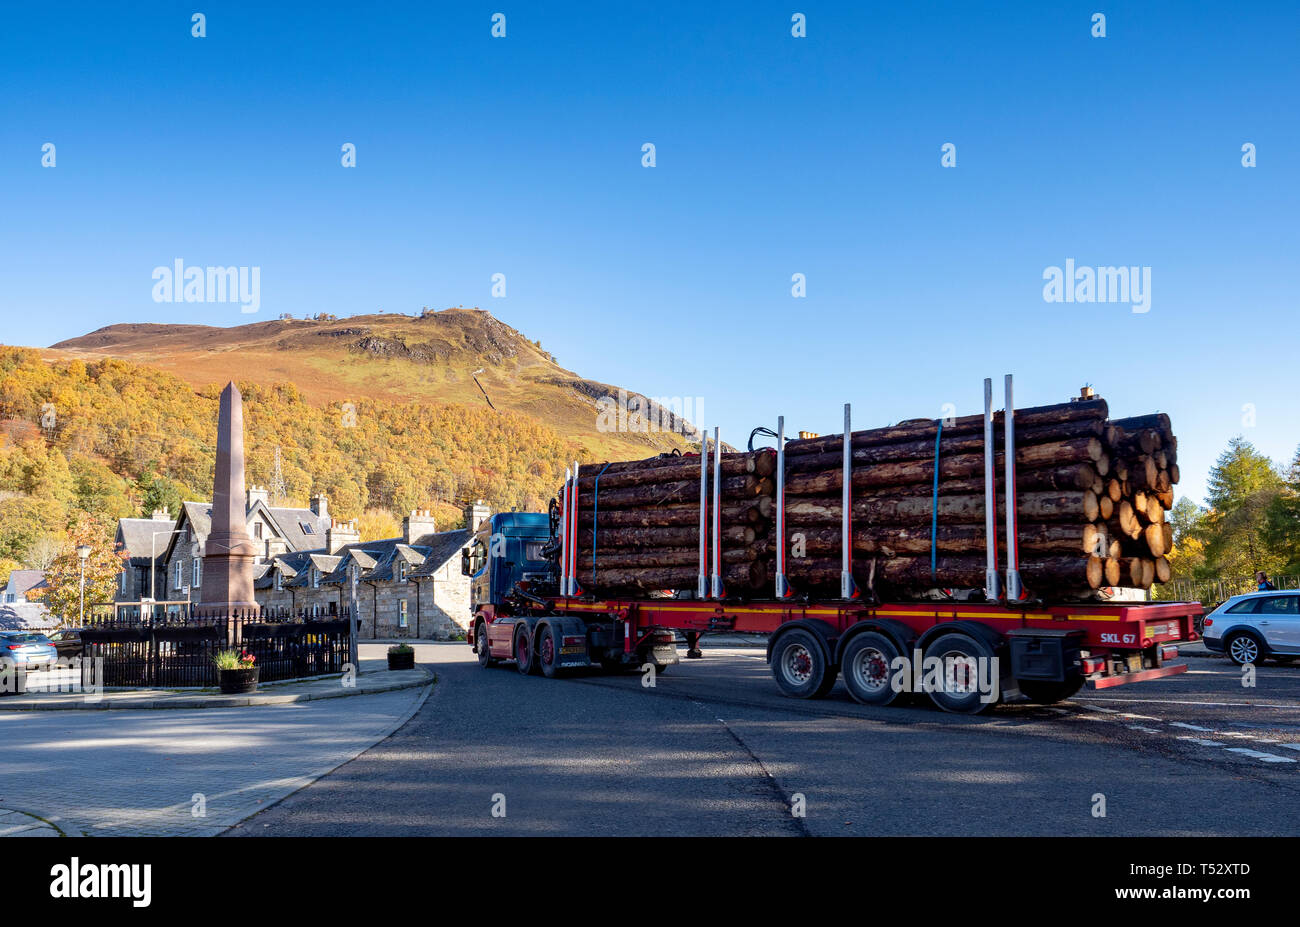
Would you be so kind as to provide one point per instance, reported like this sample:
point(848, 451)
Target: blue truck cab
point(505, 549)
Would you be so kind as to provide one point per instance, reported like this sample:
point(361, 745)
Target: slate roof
point(446, 544)
point(302, 529)
point(136, 537)
point(23, 581)
point(377, 559)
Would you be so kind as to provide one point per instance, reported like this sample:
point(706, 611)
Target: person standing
point(1261, 578)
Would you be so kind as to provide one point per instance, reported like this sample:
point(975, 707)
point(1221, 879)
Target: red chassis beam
point(1118, 626)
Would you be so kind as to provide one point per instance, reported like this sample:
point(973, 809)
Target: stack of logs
point(1091, 496)
point(646, 518)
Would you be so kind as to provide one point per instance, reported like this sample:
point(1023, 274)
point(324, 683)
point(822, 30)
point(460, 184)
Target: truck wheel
point(548, 657)
point(525, 659)
point(485, 657)
point(959, 692)
point(1049, 693)
point(866, 667)
point(800, 667)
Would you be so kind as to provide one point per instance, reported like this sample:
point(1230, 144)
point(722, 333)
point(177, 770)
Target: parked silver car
point(1256, 626)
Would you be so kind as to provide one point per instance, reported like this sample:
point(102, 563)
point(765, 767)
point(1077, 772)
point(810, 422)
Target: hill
point(387, 357)
point(382, 413)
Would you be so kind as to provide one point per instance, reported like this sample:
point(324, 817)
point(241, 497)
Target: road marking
point(1290, 746)
point(1260, 755)
point(1166, 701)
point(1144, 730)
point(1109, 711)
point(1203, 742)
point(1190, 727)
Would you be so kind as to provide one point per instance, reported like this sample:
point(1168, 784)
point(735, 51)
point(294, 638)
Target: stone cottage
point(406, 586)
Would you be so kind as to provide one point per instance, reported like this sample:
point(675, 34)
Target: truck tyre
point(548, 655)
point(1049, 693)
point(525, 658)
point(485, 657)
point(959, 692)
point(865, 665)
point(799, 665)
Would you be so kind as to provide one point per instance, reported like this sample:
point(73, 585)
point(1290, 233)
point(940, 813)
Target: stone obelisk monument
point(229, 552)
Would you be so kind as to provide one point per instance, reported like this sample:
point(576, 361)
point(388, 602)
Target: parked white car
point(1256, 626)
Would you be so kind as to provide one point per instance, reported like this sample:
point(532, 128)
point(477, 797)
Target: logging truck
point(965, 649)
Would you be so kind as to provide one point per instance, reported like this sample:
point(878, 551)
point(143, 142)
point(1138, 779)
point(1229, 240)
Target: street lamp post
point(83, 552)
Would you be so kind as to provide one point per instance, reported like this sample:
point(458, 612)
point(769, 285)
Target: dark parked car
point(67, 642)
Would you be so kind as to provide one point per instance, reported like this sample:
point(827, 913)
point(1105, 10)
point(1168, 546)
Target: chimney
point(257, 494)
point(418, 527)
point(476, 513)
point(320, 505)
point(340, 533)
point(162, 514)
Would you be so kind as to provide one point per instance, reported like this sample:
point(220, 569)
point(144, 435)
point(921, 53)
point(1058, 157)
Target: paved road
point(714, 749)
point(110, 773)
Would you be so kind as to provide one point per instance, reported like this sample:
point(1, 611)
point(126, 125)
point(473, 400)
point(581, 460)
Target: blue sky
point(775, 156)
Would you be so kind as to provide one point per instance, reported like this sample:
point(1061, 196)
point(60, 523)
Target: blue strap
point(595, 509)
point(934, 503)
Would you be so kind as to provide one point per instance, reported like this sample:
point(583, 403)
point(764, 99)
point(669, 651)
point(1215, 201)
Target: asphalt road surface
point(714, 749)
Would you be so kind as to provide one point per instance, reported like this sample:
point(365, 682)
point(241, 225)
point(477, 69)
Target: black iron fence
point(172, 644)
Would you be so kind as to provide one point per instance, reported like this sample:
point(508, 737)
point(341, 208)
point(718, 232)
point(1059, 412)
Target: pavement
point(60, 690)
point(188, 771)
point(714, 749)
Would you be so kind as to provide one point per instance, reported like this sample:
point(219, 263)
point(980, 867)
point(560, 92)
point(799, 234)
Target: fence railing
point(1213, 591)
point(174, 644)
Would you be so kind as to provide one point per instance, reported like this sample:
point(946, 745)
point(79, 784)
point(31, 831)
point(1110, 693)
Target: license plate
point(573, 650)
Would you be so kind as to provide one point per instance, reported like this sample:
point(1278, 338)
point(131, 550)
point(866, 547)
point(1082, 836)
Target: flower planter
point(401, 661)
point(237, 681)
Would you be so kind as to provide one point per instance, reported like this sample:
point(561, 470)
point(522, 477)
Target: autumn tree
point(64, 576)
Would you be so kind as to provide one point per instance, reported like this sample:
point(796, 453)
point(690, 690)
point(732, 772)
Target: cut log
point(1074, 506)
point(958, 466)
point(657, 536)
point(747, 512)
point(1131, 571)
point(740, 575)
point(622, 558)
point(1113, 490)
point(1154, 536)
point(926, 429)
point(655, 494)
point(1164, 572)
point(894, 540)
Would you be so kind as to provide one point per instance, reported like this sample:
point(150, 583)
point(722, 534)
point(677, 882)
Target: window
point(198, 573)
point(279, 580)
point(533, 551)
point(401, 571)
point(315, 578)
point(1278, 605)
point(180, 574)
point(401, 613)
point(257, 530)
point(306, 528)
point(122, 582)
point(1243, 608)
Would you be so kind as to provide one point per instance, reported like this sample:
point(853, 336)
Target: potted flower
point(401, 656)
point(236, 672)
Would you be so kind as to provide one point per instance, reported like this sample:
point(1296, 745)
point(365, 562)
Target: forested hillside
point(108, 438)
